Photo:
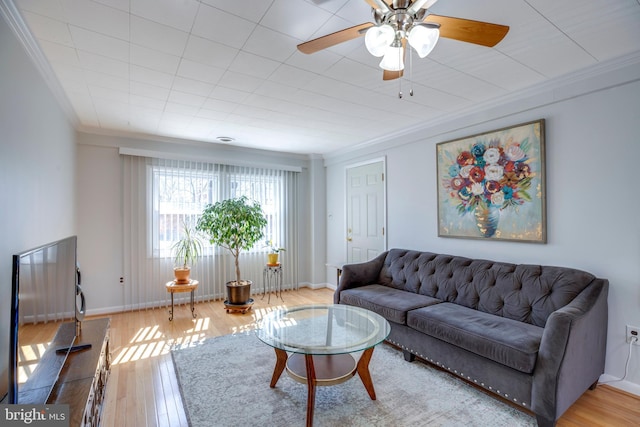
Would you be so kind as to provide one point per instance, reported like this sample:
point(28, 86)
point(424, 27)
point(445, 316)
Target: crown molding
point(19, 27)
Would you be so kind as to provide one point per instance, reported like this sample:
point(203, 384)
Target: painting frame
point(492, 185)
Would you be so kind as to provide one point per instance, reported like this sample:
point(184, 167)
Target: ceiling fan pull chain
point(400, 53)
point(411, 72)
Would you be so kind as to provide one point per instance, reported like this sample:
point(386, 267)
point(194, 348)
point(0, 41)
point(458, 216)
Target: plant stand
point(243, 308)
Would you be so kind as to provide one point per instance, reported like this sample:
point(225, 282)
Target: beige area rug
point(224, 381)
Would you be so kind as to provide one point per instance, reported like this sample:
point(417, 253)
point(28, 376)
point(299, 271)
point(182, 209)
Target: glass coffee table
point(321, 340)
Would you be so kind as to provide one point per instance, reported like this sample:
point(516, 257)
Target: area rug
point(224, 381)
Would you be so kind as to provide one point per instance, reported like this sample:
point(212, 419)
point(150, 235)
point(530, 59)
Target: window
point(181, 190)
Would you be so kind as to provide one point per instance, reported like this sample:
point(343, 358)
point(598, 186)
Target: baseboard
point(182, 300)
point(315, 286)
point(615, 382)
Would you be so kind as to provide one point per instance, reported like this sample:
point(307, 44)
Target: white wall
point(592, 155)
point(100, 221)
point(37, 168)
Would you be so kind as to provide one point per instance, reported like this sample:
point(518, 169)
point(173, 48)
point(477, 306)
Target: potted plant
point(236, 225)
point(274, 251)
point(186, 252)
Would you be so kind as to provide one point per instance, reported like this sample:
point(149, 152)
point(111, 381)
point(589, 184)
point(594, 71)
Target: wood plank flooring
point(143, 390)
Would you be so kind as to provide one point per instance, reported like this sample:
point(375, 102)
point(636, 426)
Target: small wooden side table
point(173, 287)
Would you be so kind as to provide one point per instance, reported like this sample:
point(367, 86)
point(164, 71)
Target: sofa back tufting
point(527, 293)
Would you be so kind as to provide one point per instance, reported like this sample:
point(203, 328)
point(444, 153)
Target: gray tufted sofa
point(534, 335)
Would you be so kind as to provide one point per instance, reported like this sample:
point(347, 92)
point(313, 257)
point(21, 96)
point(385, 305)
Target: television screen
point(44, 296)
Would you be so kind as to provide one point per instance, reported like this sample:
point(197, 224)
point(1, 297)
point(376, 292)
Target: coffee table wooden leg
point(363, 372)
point(311, 387)
point(281, 363)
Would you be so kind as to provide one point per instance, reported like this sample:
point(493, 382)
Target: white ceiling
point(199, 69)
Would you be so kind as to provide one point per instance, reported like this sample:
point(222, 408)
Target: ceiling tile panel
point(254, 65)
point(186, 98)
point(217, 25)
point(97, 17)
point(151, 77)
point(270, 44)
point(93, 62)
point(280, 18)
point(147, 33)
point(229, 94)
point(56, 52)
point(252, 10)
point(201, 72)
point(149, 91)
point(154, 59)
point(100, 44)
point(45, 28)
point(239, 81)
point(616, 32)
point(143, 101)
point(177, 14)
point(209, 52)
point(51, 9)
point(195, 87)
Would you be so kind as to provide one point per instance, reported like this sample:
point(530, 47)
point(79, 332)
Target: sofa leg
point(544, 422)
point(593, 386)
point(408, 356)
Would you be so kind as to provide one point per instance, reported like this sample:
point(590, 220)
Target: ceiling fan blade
point(466, 30)
point(392, 75)
point(333, 39)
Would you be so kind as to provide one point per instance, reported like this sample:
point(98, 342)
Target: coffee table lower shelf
point(323, 370)
point(329, 370)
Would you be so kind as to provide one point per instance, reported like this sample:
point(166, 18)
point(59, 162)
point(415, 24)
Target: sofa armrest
point(361, 274)
point(572, 352)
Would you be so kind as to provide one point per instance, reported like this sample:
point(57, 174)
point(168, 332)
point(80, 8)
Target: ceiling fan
point(400, 21)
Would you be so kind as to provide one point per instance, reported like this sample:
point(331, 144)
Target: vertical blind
point(159, 196)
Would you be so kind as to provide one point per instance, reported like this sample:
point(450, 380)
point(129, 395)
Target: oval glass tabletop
point(323, 329)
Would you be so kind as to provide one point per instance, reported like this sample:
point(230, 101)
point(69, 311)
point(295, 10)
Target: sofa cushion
point(502, 340)
point(392, 304)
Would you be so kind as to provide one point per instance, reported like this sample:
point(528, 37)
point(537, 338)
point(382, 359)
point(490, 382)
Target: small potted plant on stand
point(272, 256)
point(186, 251)
point(236, 225)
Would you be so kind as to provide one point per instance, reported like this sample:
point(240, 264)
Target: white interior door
point(366, 204)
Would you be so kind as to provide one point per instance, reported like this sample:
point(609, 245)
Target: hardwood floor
point(143, 391)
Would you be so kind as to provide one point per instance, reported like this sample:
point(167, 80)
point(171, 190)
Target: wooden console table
point(83, 378)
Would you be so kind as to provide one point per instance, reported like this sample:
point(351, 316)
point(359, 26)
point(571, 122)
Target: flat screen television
point(45, 288)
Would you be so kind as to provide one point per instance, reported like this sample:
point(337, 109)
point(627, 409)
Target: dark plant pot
point(239, 294)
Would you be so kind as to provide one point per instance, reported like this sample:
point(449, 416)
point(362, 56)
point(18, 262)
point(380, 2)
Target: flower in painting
point(497, 198)
point(464, 171)
point(493, 172)
point(489, 174)
point(514, 152)
point(477, 189)
point(476, 174)
point(478, 150)
point(465, 158)
point(492, 156)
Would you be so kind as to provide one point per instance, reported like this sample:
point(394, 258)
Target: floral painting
point(491, 186)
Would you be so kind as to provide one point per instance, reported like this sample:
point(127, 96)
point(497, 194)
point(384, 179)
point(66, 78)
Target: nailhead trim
point(437, 363)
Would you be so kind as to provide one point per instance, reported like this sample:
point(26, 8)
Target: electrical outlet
point(633, 331)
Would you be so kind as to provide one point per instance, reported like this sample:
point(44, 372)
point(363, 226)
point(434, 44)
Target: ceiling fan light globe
point(378, 38)
point(393, 59)
point(423, 39)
